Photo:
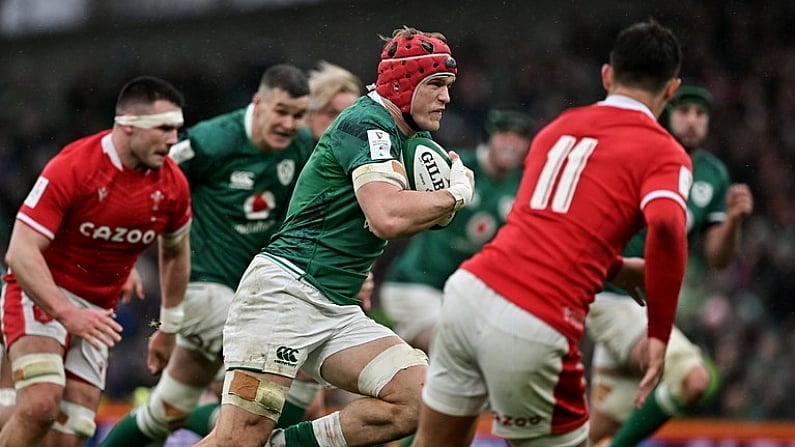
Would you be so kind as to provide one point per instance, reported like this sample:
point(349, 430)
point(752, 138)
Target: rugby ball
point(427, 168)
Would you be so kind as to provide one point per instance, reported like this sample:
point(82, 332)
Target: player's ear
point(671, 87)
point(607, 77)
point(127, 129)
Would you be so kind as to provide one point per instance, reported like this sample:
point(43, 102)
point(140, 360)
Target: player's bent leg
point(613, 388)
point(8, 395)
point(304, 401)
point(446, 429)
point(686, 381)
point(305, 395)
point(251, 403)
point(193, 366)
point(173, 399)
point(168, 407)
point(389, 371)
point(612, 394)
point(76, 419)
point(686, 376)
point(39, 379)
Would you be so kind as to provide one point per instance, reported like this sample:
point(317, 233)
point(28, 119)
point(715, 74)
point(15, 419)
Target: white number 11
point(577, 156)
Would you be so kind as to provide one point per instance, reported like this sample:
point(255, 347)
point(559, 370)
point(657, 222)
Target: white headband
point(149, 121)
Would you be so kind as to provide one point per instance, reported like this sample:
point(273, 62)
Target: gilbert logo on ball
point(427, 169)
point(427, 165)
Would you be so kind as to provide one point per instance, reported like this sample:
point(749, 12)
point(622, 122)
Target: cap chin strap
point(410, 121)
point(407, 116)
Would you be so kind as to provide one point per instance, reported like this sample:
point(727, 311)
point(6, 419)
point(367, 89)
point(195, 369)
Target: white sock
point(276, 438)
point(8, 397)
point(328, 430)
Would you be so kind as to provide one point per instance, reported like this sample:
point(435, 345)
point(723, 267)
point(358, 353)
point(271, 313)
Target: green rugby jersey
point(706, 205)
point(325, 232)
point(239, 193)
point(432, 256)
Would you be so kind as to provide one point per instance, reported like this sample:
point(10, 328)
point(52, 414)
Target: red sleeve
point(183, 212)
point(47, 202)
point(666, 256)
point(615, 267)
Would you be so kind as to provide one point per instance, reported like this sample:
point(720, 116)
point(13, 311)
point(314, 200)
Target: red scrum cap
point(408, 61)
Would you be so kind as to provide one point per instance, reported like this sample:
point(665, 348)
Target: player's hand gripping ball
point(427, 169)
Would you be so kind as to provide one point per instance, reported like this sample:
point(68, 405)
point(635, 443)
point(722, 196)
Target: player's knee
point(255, 395)
point(695, 385)
point(75, 420)
point(169, 405)
point(395, 367)
point(384, 367)
point(612, 395)
point(33, 369)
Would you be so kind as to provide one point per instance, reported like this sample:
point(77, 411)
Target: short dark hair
point(287, 77)
point(145, 90)
point(646, 55)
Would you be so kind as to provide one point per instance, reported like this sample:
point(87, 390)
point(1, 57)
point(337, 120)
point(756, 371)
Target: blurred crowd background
point(64, 61)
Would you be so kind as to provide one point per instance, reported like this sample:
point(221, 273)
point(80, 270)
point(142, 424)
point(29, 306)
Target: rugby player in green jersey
point(296, 305)
point(616, 323)
point(242, 167)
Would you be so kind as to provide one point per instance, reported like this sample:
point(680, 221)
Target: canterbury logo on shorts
point(287, 355)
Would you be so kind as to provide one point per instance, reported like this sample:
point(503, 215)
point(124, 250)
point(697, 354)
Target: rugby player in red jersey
point(96, 206)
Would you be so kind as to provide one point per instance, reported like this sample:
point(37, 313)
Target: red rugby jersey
point(587, 177)
point(100, 215)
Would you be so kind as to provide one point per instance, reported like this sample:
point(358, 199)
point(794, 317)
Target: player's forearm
point(394, 214)
point(722, 243)
point(174, 263)
point(417, 211)
point(33, 275)
point(666, 257)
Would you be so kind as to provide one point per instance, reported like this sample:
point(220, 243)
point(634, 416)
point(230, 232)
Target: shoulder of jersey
point(427, 165)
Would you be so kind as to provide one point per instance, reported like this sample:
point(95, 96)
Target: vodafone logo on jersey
point(259, 206)
point(117, 234)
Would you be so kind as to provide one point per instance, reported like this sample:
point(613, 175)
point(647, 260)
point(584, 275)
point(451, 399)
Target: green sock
point(714, 381)
point(291, 415)
point(406, 442)
point(300, 434)
point(643, 422)
point(202, 420)
point(126, 433)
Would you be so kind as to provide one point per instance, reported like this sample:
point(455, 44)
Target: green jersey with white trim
point(432, 256)
point(706, 205)
point(325, 232)
point(239, 193)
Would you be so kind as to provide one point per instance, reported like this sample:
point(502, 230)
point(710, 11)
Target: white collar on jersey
point(375, 97)
point(110, 149)
point(625, 102)
point(248, 119)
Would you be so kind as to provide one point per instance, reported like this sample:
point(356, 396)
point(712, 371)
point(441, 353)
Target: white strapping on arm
point(390, 171)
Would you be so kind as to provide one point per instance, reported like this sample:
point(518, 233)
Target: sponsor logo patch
point(380, 144)
point(241, 180)
point(35, 194)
